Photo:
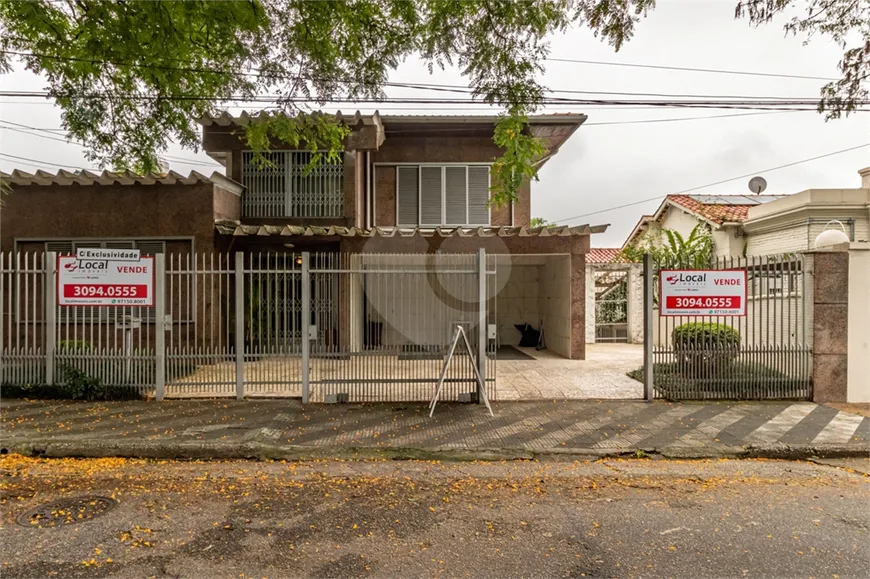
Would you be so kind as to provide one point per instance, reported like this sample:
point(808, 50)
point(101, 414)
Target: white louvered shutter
point(407, 189)
point(430, 195)
point(478, 195)
point(455, 189)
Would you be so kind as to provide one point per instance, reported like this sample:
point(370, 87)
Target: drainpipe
point(540, 161)
point(368, 177)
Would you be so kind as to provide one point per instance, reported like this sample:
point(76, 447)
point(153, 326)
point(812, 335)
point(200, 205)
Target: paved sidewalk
point(285, 429)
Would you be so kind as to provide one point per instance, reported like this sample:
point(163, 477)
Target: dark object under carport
point(529, 335)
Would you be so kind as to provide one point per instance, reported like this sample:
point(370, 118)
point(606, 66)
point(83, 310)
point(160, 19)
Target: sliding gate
point(397, 317)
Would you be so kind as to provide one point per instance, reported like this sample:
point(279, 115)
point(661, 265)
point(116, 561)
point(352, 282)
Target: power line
point(272, 99)
point(754, 173)
point(36, 161)
point(53, 138)
point(415, 85)
point(689, 69)
point(676, 119)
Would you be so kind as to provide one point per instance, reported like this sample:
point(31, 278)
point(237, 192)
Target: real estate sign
point(699, 292)
point(105, 277)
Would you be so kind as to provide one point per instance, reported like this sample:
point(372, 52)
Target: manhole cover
point(67, 512)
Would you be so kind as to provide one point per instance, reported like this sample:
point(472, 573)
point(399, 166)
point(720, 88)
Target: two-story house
point(412, 186)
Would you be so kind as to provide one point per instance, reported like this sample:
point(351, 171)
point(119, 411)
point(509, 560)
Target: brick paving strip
point(284, 429)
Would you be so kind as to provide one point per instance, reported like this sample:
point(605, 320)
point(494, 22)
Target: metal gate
point(766, 354)
point(320, 326)
point(397, 318)
point(611, 305)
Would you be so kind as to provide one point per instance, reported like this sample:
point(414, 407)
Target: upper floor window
point(286, 184)
point(442, 195)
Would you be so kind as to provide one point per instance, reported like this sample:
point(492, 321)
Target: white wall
point(635, 304)
point(554, 303)
point(725, 242)
point(858, 389)
point(517, 302)
point(800, 235)
point(590, 304)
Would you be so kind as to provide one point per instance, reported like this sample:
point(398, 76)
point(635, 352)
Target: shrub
point(705, 348)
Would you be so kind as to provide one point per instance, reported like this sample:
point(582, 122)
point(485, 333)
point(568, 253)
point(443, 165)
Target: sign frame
point(668, 313)
point(151, 283)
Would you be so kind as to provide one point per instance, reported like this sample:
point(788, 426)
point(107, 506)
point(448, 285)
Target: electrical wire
point(713, 104)
point(792, 164)
point(409, 85)
point(44, 162)
point(689, 69)
point(53, 138)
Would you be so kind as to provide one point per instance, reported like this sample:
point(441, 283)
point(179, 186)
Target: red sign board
point(105, 282)
point(694, 292)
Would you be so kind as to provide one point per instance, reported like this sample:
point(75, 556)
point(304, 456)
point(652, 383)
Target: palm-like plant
point(693, 252)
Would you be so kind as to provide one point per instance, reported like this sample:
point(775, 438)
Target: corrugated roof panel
point(228, 227)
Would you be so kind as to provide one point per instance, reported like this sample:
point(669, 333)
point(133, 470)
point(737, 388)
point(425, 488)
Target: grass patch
point(740, 381)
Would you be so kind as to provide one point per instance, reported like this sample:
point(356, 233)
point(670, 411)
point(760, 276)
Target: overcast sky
point(607, 165)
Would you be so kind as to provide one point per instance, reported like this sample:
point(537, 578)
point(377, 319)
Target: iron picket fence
point(318, 326)
point(764, 354)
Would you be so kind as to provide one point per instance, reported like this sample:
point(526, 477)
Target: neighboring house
point(762, 224)
point(403, 185)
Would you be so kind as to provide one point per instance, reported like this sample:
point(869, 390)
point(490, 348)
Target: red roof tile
point(713, 212)
point(603, 255)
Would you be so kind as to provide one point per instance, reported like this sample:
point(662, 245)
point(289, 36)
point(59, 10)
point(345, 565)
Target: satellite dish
point(757, 185)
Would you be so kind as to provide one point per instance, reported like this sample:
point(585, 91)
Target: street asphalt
point(396, 519)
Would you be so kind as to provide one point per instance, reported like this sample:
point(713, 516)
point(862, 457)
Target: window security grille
point(286, 184)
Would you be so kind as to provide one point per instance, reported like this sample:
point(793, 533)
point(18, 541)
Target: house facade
point(747, 225)
point(412, 186)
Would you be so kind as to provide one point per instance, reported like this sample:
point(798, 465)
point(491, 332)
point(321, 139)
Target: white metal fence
point(378, 326)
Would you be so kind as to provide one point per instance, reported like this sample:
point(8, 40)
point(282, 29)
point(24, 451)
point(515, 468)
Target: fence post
point(160, 325)
point(306, 326)
point(647, 327)
point(50, 309)
point(481, 321)
point(3, 306)
point(239, 273)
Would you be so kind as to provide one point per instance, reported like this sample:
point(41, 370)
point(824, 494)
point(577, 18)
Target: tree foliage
point(671, 249)
point(846, 22)
point(131, 76)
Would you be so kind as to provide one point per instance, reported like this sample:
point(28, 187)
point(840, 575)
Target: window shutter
point(151, 247)
point(119, 245)
point(59, 246)
point(455, 195)
point(478, 195)
point(430, 195)
point(407, 189)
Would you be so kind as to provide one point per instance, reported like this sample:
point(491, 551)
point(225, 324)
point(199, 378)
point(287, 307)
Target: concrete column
point(830, 326)
point(590, 305)
point(578, 306)
point(635, 304)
